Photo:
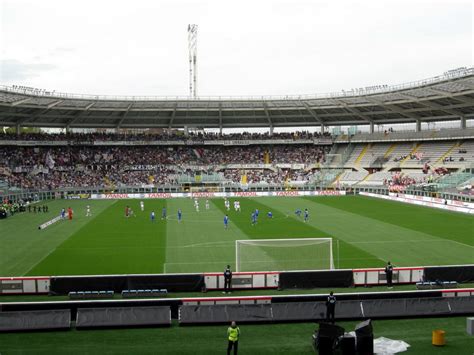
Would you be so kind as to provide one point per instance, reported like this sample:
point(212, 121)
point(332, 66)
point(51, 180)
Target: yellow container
point(438, 338)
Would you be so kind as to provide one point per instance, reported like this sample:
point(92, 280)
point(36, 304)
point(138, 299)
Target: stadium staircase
point(441, 158)
point(413, 151)
point(390, 150)
point(362, 153)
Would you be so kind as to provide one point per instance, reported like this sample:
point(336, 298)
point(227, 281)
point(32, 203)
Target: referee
point(227, 280)
point(330, 307)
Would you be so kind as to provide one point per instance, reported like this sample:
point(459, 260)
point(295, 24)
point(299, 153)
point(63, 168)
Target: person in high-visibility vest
point(233, 333)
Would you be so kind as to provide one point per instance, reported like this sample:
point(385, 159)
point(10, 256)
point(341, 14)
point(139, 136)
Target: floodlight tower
point(192, 45)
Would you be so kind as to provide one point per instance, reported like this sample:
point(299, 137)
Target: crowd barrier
point(243, 280)
point(377, 276)
point(123, 316)
point(63, 285)
point(450, 205)
point(294, 193)
point(316, 311)
point(24, 285)
point(35, 320)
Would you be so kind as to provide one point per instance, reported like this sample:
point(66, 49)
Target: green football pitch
point(366, 232)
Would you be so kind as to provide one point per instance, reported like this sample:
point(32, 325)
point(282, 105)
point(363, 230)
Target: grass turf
point(255, 339)
point(366, 232)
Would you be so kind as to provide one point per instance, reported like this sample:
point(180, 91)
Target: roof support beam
point(351, 110)
point(312, 113)
point(173, 115)
point(393, 108)
point(124, 115)
point(78, 115)
point(269, 117)
point(220, 117)
point(19, 102)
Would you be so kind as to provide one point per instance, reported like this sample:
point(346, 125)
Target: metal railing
point(455, 74)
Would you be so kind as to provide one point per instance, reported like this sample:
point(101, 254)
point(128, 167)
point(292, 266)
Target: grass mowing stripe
point(22, 245)
point(345, 255)
point(199, 243)
point(356, 228)
point(444, 224)
point(100, 246)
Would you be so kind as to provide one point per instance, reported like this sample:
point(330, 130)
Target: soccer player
point(238, 206)
point(180, 215)
point(207, 204)
point(69, 213)
point(88, 211)
point(63, 213)
point(152, 216)
point(306, 215)
point(226, 221)
point(235, 206)
point(270, 214)
point(127, 211)
point(142, 206)
point(254, 218)
point(163, 213)
point(257, 212)
point(227, 204)
point(298, 212)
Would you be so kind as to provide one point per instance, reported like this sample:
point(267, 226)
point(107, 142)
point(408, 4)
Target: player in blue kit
point(254, 218)
point(163, 213)
point(226, 221)
point(298, 212)
point(306, 215)
point(152, 216)
point(270, 214)
point(180, 215)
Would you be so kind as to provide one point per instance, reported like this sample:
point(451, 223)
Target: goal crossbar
point(285, 243)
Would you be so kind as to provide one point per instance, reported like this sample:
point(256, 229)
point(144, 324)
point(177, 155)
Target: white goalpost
point(283, 254)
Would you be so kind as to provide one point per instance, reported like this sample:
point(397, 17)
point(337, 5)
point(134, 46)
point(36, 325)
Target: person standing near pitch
point(330, 307)
point(233, 333)
point(88, 211)
point(389, 274)
point(142, 206)
point(306, 215)
point(180, 215)
point(207, 204)
point(227, 280)
point(152, 216)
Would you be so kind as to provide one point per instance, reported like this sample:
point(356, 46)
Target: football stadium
point(335, 223)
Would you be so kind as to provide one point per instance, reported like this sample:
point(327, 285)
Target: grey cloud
point(15, 70)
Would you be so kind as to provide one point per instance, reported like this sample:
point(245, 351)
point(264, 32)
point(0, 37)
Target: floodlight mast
point(192, 46)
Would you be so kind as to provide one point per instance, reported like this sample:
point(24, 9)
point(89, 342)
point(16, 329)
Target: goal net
point(283, 254)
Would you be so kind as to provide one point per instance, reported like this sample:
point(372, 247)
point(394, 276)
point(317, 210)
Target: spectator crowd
point(98, 166)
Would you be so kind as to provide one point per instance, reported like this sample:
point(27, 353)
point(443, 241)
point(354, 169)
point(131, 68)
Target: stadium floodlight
point(283, 254)
point(192, 46)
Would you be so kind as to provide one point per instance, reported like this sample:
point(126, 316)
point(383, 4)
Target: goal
point(283, 254)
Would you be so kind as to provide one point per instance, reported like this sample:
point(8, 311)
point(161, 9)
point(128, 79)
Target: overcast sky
point(244, 47)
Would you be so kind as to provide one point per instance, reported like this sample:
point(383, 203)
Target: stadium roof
point(446, 97)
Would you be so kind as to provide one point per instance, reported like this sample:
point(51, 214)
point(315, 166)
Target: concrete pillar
point(186, 131)
point(220, 130)
point(323, 128)
point(271, 130)
point(418, 126)
point(17, 129)
point(463, 122)
point(371, 127)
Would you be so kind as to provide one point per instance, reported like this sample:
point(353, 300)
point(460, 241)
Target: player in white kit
point(237, 209)
point(227, 204)
point(142, 206)
point(88, 211)
point(207, 204)
point(196, 205)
